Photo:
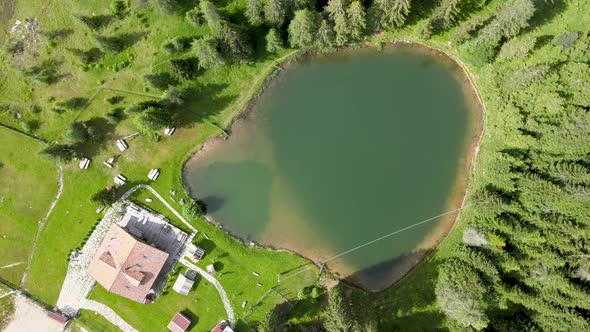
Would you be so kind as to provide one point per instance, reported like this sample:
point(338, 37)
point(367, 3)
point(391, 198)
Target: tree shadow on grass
point(207, 245)
point(200, 103)
point(101, 131)
point(545, 13)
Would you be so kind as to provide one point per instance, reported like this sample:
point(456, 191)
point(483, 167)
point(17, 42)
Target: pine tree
point(211, 15)
point(275, 12)
point(273, 41)
point(234, 42)
point(391, 13)
point(445, 15)
point(206, 50)
point(336, 10)
point(336, 317)
point(153, 119)
point(356, 19)
point(254, 12)
point(324, 41)
point(304, 4)
point(510, 20)
point(303, 28)
point(460, 295)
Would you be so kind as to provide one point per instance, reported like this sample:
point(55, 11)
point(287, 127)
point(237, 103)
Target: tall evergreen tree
point(273, 41)
point(303, 28)
point(512, 17)
point(254, 12)
point(336, 317)
point(460, 295)
point(211, 15)
point(275, 12)
point(325, 36)
point(390, 13)
point(153, 119)
point(206, 50)
point(356, 19)
point(234, 41)
point(336, 10)
point(304, 4)
point(446, 13)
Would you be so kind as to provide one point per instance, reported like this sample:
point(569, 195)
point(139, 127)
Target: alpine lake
point(347, 157)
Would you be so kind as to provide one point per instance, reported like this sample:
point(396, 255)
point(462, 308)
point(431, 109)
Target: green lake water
point(340, 150)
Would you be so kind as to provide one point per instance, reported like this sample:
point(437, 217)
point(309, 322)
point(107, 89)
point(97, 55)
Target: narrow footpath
point(220, 290)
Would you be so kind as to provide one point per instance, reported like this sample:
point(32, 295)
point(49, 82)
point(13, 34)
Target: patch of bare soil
point(28, 316)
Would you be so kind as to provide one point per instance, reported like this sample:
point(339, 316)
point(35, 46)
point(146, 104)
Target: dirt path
point(108, 314)
point(220, 290)
point(43, 221)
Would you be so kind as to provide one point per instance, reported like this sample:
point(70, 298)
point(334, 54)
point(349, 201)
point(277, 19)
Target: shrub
point(192, 209)
point(194, 16)
point(74, 103)
point(177, 44)
point(114, 99)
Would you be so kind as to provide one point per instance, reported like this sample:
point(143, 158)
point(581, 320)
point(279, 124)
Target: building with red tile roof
point(125, 266)
point(179, 323)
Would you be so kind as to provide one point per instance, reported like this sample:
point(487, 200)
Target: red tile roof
point(125, 266)
point(179, 323)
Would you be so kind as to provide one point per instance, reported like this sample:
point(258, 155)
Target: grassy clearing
point(27, 187)
point(92, 322)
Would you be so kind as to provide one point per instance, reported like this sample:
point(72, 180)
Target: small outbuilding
point(183, 285)
point(211, 269)
point(223, 326)
point(199, 253)
point(169, 131)
point(179, 323)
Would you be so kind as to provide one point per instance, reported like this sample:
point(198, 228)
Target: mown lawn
point(235, 264)
point(92, 322)
point(28, 184)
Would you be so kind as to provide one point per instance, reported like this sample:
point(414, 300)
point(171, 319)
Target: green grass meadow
point(28, 184)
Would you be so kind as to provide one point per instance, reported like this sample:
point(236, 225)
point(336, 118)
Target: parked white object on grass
point(122, 145)
point(169, 131)
point(153, 174)
point(84, 163)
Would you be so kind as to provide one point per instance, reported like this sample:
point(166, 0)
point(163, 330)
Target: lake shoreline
point(457, 196)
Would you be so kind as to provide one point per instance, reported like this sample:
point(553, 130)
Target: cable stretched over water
point(382, 237)
point(394, 233)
